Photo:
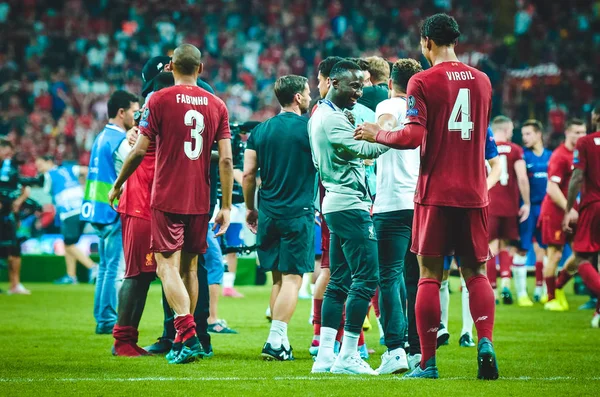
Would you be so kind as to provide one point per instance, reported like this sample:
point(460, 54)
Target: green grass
point(48, 347)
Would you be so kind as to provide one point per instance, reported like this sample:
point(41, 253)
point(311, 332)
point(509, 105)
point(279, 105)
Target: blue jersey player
point(536, 158)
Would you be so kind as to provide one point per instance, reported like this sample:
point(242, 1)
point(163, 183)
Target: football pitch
point(48, 347)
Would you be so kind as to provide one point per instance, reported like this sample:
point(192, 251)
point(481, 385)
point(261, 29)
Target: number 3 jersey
point(504, 196)
point(453, 102)
point(184, 121)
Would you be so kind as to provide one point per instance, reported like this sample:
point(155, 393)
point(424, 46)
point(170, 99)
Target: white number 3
point(193, 148)
point(462, 111)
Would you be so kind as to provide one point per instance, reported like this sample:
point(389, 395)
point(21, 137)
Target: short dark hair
point(403, 70)
point(163, 80)
point(574, 121)
point(120, 99)
point(286, 87)
point(441, 28)
point(535, 124)
point(362, 63)
point(327, 64)
point(6, 143)
point(343, 67)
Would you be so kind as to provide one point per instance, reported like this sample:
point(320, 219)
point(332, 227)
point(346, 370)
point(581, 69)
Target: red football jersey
point(184, 121)
point(453, 102)
point(586, 157)
point(560, 169)
point(135, 200)
point(504, 196)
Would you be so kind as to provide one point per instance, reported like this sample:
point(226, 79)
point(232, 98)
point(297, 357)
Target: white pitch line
point(281, 378)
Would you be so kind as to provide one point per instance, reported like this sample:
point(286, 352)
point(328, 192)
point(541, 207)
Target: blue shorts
point(213, 258)
point(233, 236)
point(318, 250)
point(529, 229)
point(448, 262)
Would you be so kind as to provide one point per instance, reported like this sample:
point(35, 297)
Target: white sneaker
point(596, 320)
point(413, 360)
point(393, 362)
point(353, 365)
point(323, 364)
point(19, 290)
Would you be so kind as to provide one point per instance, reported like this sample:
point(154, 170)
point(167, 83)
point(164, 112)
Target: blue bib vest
point(66, 192)
point(101, 177)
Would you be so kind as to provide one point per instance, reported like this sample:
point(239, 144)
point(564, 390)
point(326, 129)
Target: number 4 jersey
point(504, 196)
point(184, 121)
point(453, 102)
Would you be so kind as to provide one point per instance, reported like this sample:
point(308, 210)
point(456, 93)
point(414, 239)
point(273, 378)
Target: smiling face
point(349, 87)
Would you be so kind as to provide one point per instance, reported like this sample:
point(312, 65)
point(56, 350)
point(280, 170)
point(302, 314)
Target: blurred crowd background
point(60, 59)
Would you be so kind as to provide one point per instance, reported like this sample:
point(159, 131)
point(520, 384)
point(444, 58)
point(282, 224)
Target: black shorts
point(71, 229)
point(286, 245)
point(9, 244)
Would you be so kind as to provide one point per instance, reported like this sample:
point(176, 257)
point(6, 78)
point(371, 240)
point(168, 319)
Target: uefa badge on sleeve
point(145, 115)
point(411, 102)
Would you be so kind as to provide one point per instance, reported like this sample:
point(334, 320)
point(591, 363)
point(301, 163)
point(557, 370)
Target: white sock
point(445, 302)
point(326, 344)
point(539, 290)
point(467, 320)
point(349, 344)
point(381, 334)
point(306, 277)
point(228, 280)
point(312, 289)
point(312, 308)
point(520, 274)
point(505, 283)
point(276, 335)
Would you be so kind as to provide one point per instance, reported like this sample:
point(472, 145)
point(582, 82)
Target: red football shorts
point(446, 231)
point(551, 225)
point(587, 234)
point(324, 244)
point(179, 232)
point(136, 246)
point(503, 228)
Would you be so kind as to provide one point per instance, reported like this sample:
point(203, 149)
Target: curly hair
point(403, 70)
point(441, 28)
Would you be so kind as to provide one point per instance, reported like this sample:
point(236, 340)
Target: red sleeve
point(557, 169)
point(150, 120)
point(224, 132)
point(579, 155)
point(519, 154)
point(417, 107)
point(314, 109)
point(410, 137)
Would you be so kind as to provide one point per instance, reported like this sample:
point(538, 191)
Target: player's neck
point(444, 54)
point(569, 146)
point(398, 94)
point(185, 80)
point(339, 102)
point(538, 148)
point(291, 109)
point(118, 123)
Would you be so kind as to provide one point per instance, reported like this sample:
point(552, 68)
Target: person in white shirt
point(397, 173)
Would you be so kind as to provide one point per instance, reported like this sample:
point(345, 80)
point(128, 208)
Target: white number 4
point(460, 118)
point(193, 148)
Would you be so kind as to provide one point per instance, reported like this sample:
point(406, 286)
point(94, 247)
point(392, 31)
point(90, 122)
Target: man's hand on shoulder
point(222, 221)
point(366, 132)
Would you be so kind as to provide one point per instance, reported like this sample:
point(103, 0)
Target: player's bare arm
point(557, 196)
point(131, 163)
point(571, 214)
point(496, 171)
point(249, 188)
point(226, 176)
point(387, 121)
point(523, 182)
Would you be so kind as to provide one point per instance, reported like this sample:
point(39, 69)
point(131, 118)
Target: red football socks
point(126, 341)
point(361, 338)
point(563, 278)
point(539, 274)
point(492, 273)
point(375, 303)
point(482, 304)
point(551, 286)
point(590, 277)
point(317, 316)
point(428, 315)
point(505, 263)
point(185, 327)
